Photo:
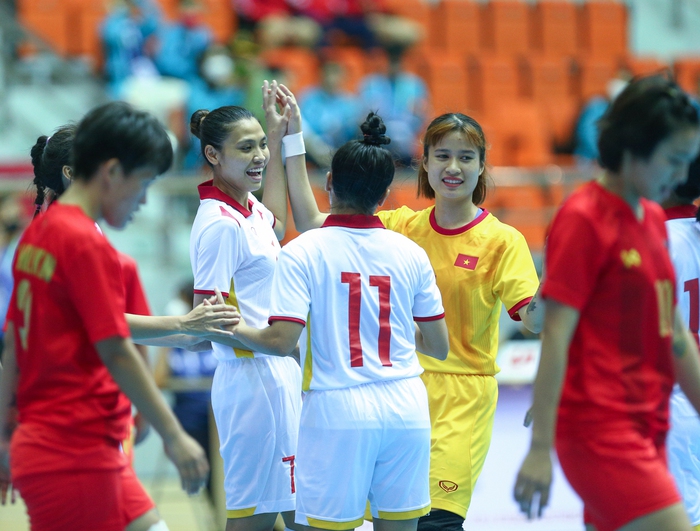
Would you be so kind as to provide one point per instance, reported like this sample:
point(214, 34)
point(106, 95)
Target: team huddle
point(356, 374)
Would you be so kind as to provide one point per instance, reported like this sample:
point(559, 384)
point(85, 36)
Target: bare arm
point(275, 191)
point(686, 361)
point(304, 208)
point(229, 338)
point(204, 321)
point(535, 475)
point(432, 338)
point(532, 315)
point(8, 391)
point(278, 339)
point(130, 373)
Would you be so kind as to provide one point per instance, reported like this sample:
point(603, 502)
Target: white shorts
point(683, 449)
point(256, 404)
point(368, 442)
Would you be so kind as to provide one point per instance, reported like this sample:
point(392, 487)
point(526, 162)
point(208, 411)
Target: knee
point(439, 520)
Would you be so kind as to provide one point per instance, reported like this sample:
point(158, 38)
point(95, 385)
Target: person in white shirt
point(368, 299)
point(234, 245)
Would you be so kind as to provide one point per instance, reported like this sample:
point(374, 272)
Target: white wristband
point(293, 145)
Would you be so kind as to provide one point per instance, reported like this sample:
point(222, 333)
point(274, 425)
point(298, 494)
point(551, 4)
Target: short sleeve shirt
point(684, 244)
point(234, 248)
point(358, 288)
point(479, 267)
point(615, 270)
point(68, 296)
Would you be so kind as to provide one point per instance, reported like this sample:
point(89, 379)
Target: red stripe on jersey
point(228, 214)
point(282, 318)
point(207, 190)
point(513, 312)
point(433, 318)
point(210, 292)
point(354, 303)
point(383, 285)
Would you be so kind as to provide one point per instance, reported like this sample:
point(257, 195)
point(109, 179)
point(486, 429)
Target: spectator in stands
point(125, 33)
point(182, 43)
point(191, 407)
point(280, 22)
point(330, 114)
point(216, 86)
point(366, 23)
point(586, 133)
point(402, 99)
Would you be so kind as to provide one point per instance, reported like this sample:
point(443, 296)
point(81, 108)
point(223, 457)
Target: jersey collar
point(207, 190)
point(459, 230)
point(354, 221)
point(681, 211)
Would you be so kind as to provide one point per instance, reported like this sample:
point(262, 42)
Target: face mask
point(217, 69)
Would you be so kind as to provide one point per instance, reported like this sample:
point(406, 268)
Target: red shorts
point(619, 476)
point(83, 500)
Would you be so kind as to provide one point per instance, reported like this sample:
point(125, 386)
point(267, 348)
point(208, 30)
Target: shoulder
point(401, 216)
point(500, 230)
point(216, 215)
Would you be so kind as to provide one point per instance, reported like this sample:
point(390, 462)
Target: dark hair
point(437, 130)
point(49, 155)
point(648, 111)
point(362, 170)
point(118, 131)
point(689, 191)
point(213, 128)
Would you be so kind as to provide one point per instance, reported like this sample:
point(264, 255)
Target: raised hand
point(286, 100)
point(276, 121)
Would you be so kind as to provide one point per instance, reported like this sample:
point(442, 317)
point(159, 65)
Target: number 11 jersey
point(358, 288)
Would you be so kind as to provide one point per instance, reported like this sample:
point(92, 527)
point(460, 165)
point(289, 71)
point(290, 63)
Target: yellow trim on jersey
point(340, 526)
point(308, 359)
point(232, 300)
point(405, 515)
point(241, 513)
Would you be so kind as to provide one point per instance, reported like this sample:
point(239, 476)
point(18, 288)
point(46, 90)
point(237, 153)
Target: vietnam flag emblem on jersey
point(466, 262)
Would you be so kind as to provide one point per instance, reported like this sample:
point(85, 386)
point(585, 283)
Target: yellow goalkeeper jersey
point(477, 267)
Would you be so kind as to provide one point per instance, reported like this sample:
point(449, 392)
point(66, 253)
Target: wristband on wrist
point(293, 145)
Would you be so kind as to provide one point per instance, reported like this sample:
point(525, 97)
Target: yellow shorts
point(462, 410)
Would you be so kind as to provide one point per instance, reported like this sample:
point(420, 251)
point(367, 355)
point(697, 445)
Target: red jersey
point(68, 296)
point(615, 270)
point(136, 302)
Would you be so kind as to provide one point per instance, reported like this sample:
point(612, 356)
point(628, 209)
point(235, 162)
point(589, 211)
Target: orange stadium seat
point(553, 28)
point(49, 20)
point(687, 72)
point(506, 26)
point(220, 16)
point(492, 81)
point(456, 26)
point(560, 115)
point(546, 77)
point(89, 20)
point(593, 76)
point(446, 77)
point(603, 29)
point(522, 133)
point(640, 66)
point(300, 66)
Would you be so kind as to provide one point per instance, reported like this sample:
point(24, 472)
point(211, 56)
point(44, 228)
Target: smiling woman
point(234, 245)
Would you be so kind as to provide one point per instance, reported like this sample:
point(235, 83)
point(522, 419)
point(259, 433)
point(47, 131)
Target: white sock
point(160, 526)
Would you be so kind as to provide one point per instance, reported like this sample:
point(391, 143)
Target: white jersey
point(358, 288)
point(684, 243)
point(234, 248)
point(682, 445)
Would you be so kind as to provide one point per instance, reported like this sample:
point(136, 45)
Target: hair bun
point(196, 121)
point(373, 130)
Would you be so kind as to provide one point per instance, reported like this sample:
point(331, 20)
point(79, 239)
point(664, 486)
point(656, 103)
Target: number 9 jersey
point(358, 288)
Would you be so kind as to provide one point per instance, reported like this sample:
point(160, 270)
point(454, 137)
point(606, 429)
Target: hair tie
point(47, 139)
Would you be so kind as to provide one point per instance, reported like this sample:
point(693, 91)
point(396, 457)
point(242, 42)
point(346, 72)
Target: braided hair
point(49, 156)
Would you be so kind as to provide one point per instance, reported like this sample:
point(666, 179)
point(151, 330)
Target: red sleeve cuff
point(432, 318)
point(513, 312)
point(210, 292)
point(283, 318)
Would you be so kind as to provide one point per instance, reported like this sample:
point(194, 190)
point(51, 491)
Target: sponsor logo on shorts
point(448, 486)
